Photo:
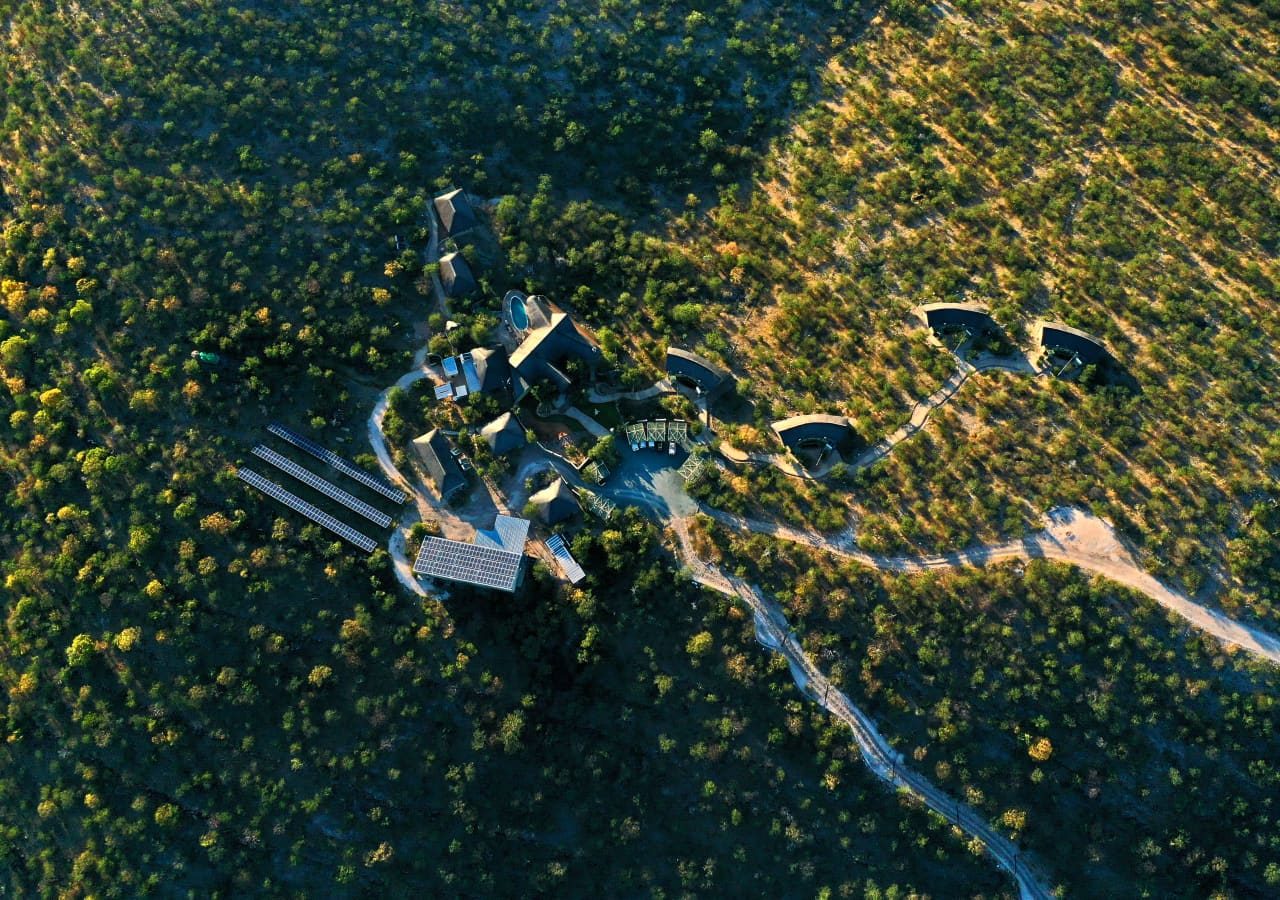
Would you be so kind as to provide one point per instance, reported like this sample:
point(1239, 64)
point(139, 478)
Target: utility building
point(495, 560)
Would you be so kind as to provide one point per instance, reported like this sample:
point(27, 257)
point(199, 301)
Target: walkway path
point(924, 409)
point(594, 428)
point(657, 389)
point(887, 764)
point(450, 524)
point(433, 255)
point(920, 414)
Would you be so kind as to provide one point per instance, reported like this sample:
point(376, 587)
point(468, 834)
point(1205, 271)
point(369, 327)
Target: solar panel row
point(468, 563)
point(297, 504)
point(560, 551)
point(346, 468)
point(332, 491)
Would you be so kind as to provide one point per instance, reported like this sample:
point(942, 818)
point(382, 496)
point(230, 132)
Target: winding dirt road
point(774, 632)
point(1071, 536)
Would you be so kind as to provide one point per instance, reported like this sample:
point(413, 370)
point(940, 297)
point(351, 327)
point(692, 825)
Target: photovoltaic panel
point(469, 563)
point(350, 469)
point(568, 564)
point(514, 532)
point(297, 504)
point(332, 491)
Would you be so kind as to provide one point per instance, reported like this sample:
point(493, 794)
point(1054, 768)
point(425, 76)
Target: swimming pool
point(516, 310)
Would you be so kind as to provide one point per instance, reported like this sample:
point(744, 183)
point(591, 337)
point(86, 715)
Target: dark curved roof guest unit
point(701, 371)
point(1063, 338)
point(797, 431)
point(941, 316)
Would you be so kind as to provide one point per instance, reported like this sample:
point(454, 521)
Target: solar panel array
point(332, 491)
point(297, 504)
point(513, 531)
point(351, 470)
point(568, 564)
point(469, 563)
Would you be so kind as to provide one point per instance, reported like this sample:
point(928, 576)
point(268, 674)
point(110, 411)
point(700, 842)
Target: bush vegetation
point(1131, 754)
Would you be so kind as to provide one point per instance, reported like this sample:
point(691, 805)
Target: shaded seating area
point(555, 503)
point(455, 275)
point(816, 430)
point(440, 461)
point(696, 371)
point(504, 434)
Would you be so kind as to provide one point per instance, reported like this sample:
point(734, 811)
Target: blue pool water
point(519, 318)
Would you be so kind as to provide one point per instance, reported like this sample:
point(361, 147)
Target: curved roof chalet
point(973, 316)
point(1056, 336)
point(816, 428)
point(698, 369)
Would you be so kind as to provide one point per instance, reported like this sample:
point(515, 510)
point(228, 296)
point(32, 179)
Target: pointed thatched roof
point(556, 502)
point(504, 434)
point(445, 473)
point(455, 275)
point(455, 213)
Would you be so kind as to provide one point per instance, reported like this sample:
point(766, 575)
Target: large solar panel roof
point(508, 533)
point(469, 563)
